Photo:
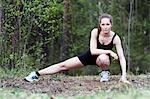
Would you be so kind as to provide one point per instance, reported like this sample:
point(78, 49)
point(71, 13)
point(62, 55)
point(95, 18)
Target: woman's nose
point(105, 26)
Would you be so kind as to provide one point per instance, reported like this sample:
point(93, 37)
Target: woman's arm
point(122, 59)
point(93, 45)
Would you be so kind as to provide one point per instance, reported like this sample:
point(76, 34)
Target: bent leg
point(68, 64)
point(103, 61)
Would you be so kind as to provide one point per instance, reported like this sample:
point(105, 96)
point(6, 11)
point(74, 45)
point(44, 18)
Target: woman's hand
point(114, 55)
point(124, 80)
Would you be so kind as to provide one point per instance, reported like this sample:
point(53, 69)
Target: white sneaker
point(104, 76)
point(32, 77)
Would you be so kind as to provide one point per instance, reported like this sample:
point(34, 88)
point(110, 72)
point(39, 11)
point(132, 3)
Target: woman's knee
point(71, 63)
point(63, 66)
point(103, 59)
point(67, 64)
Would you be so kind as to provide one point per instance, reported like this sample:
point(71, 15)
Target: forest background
point(35, 34)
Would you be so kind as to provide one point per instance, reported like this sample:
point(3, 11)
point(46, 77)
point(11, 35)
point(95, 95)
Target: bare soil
point(74, 85)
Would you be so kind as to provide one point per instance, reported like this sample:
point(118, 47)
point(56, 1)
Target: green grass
point(20, 94)
point(124, 92)
point(127, 94)
point(16, 72)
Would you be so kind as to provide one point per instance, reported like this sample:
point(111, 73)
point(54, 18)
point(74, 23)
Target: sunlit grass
point(130, 93)
point(19, 94)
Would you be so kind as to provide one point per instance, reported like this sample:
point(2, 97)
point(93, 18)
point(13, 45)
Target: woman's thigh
point(73, 62)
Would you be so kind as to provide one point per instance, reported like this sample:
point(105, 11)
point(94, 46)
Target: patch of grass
point(19, 94)
point(16, 72)
point(131, 93)
point(125, 92)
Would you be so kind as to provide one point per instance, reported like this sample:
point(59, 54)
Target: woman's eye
point(103, 24)
point(107, 24)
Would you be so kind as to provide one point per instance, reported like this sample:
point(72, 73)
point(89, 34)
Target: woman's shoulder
point(95, 30)
point(116, 38)
point(114, 34)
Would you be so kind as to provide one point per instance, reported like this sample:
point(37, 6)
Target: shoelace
point(34, 77)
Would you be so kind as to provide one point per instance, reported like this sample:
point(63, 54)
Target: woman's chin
point(106, 32)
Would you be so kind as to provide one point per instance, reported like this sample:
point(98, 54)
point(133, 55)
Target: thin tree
point(149, 26)
point(16, 35)
point(1, 35)
point(66, 29)
point(129, 33)
point(1, 23)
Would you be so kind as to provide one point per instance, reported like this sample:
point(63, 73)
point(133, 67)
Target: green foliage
point(14, 72)
point(32, 31)
point(39, 24)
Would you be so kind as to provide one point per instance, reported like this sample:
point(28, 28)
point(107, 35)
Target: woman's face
point(105, 25)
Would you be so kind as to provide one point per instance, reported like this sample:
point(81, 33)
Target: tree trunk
point(1, 17)
point(149, 29)
point(100, 8)
point(66, 29)
point(16, 36)
point(129, 34)
point(1, 35)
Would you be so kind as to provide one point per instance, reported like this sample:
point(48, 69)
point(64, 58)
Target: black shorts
point(88, 59)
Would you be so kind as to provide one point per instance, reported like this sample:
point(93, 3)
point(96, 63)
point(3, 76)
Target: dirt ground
point(72, 86)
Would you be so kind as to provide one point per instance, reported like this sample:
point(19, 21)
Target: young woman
point(100, 52)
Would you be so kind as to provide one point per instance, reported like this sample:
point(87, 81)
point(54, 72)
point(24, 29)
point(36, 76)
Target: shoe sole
point(30, 81)
point(26, 80)
point(104, 81)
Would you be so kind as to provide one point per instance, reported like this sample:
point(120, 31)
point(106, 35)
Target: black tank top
point(105, 47)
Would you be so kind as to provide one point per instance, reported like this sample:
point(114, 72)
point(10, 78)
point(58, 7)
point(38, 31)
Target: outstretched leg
point(68, 64)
